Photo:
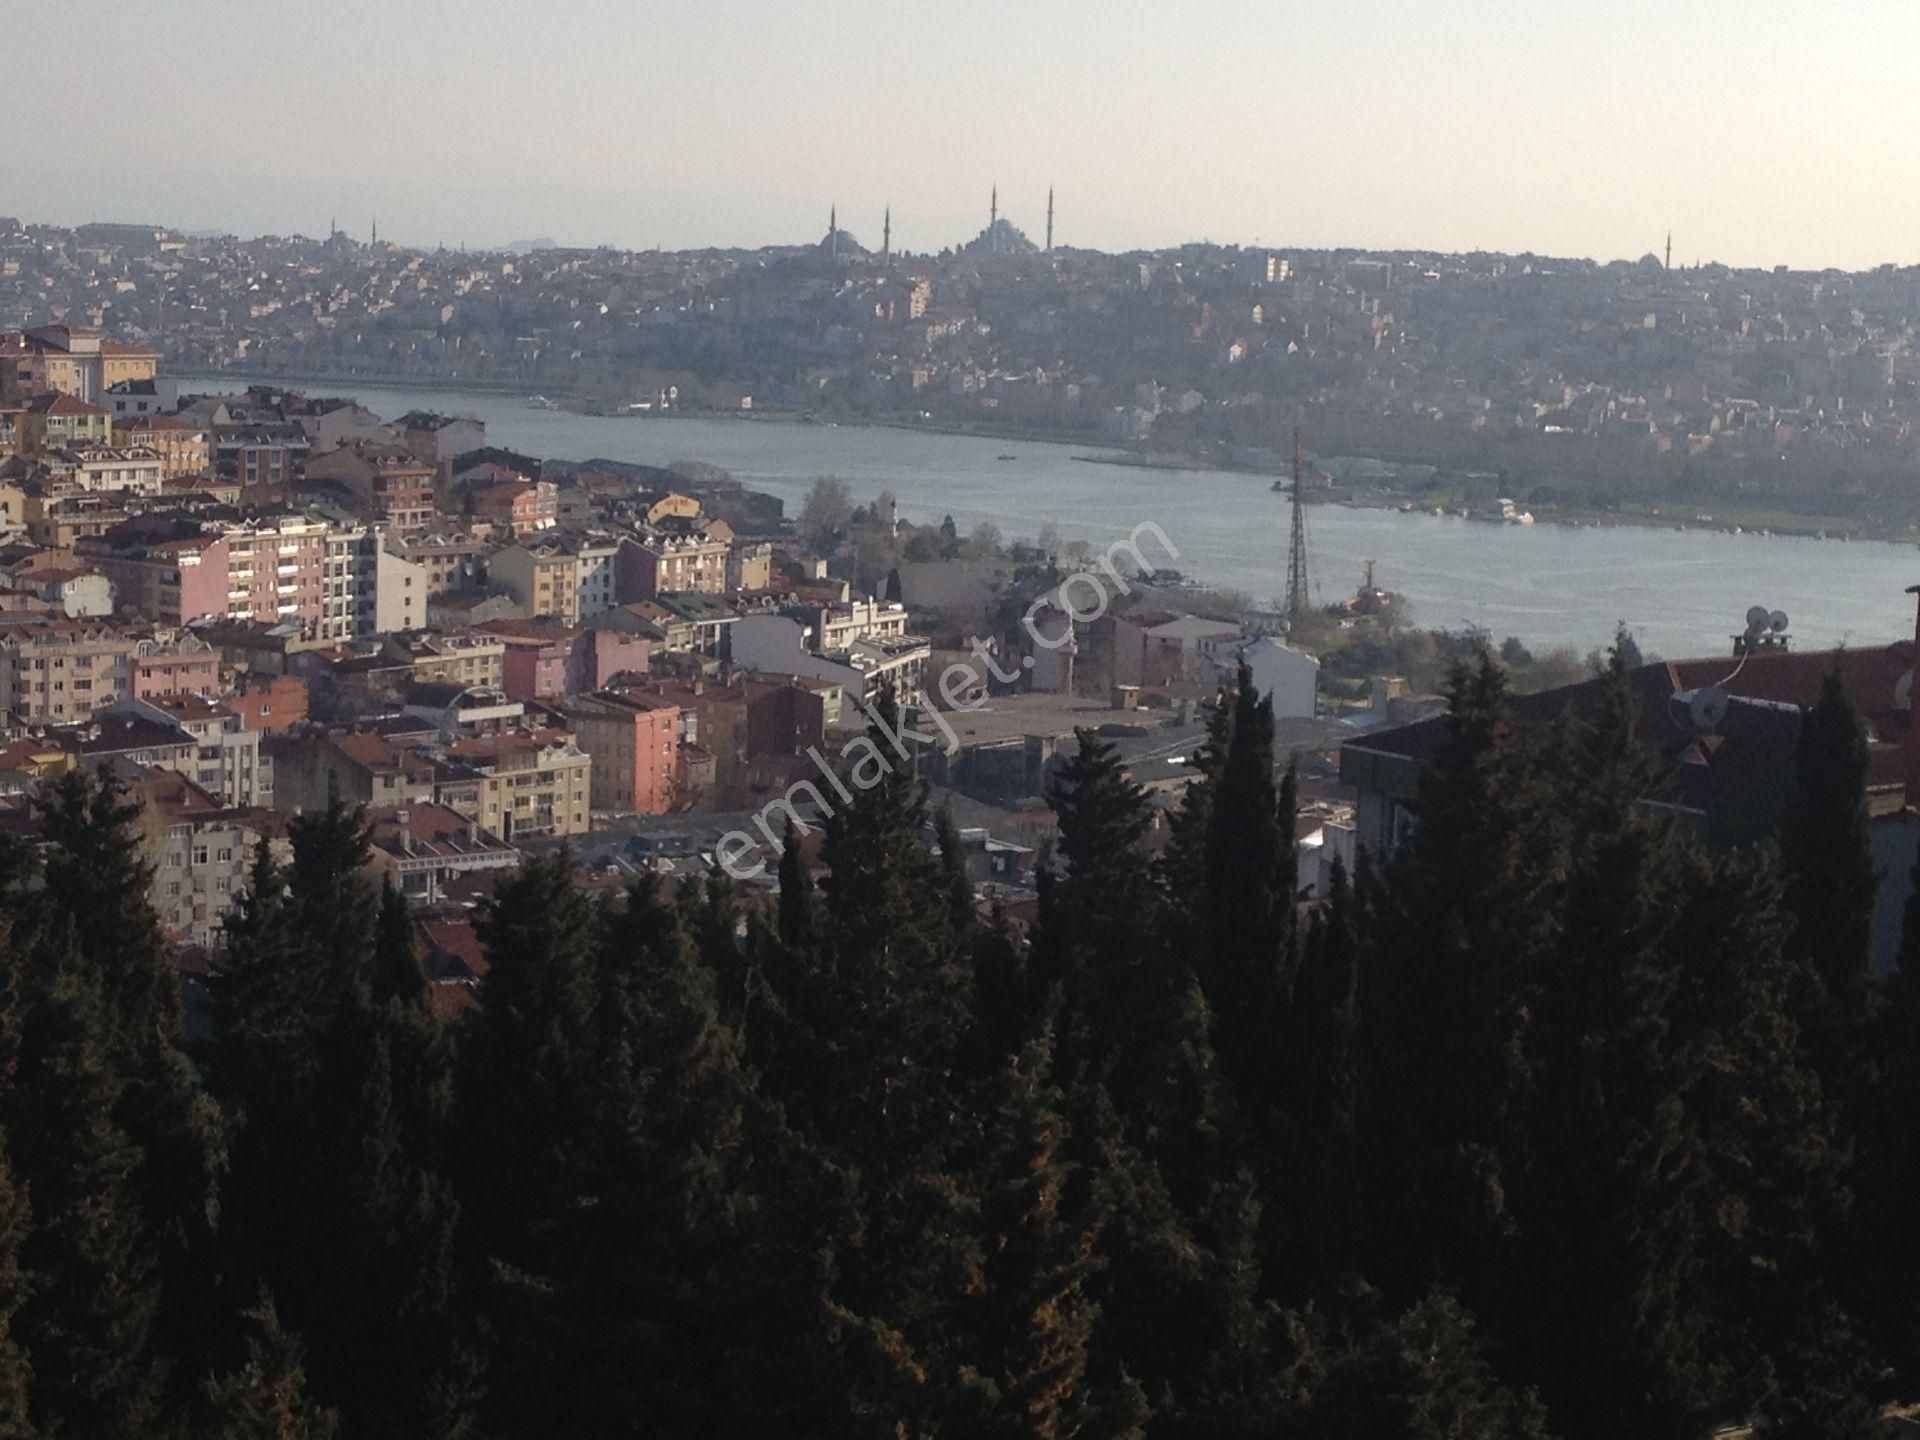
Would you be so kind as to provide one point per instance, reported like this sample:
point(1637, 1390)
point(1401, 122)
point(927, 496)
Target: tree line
point(1554, 1123)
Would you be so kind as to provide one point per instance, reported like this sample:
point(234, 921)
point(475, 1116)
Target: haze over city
point(1481, 125)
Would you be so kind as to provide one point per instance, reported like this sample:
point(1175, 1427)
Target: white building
point(779, 645)
point(1291, 678)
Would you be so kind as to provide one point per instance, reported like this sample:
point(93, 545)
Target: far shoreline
point(1777, 524)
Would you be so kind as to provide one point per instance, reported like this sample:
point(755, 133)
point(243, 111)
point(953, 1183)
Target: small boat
point(1006, 457)
point(541, 402)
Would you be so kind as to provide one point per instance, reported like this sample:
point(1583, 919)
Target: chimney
point(1913, 724)
point(402, 818)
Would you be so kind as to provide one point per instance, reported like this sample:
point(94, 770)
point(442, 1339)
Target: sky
point(1757, 131)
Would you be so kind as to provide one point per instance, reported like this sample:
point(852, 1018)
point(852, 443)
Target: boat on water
point(541, 402)
point(1504, 512)
point(1006, 457)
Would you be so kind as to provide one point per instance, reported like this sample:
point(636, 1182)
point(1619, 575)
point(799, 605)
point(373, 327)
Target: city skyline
point(1382, 127)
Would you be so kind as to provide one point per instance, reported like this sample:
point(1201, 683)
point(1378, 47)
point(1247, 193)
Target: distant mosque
point(1002, 238)
point(839, 247)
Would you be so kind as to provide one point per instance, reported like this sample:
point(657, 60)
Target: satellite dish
point(1903, 692)
point(1778, 620)
point(1708, 707)
point(1757, 617)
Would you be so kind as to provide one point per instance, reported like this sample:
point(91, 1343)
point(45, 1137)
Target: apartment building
point(696, 562)
point(72, 360)
point(543, 576)
point(107, 469)
point(521, 784)
point(200, 849)
point(392, 487)
point(227, 762)
point(633, 740)
point(60, 672)
point(183, 448)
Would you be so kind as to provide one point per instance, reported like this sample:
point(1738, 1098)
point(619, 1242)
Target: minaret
point(1049, 219)
point(1669, 250)
point(993, 214)
point(833, 232)
point(376, 231)
point(886, 239)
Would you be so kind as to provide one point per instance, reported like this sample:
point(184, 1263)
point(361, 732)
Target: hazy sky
point(1761, 131)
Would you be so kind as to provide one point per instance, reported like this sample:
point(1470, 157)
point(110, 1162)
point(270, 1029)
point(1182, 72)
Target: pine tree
point(266, 1398)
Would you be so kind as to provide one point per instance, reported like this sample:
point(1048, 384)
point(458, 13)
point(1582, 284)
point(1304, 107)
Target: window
point(199, 854)
point(226, 853)
point(173, 890)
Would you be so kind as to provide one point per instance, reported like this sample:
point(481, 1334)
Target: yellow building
point(543, 576)
point(72, 360)
point(183, 448)
point(520, 784)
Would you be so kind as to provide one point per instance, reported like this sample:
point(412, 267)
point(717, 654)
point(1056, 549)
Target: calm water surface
point(1681, 592)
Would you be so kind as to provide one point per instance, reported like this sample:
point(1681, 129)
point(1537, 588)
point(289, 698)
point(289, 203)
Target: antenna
point(1708, 707)
point(1766, 630)
point(1298, 601)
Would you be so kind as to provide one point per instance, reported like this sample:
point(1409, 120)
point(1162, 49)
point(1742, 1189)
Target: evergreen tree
point(1421, 1375)
point(97, 892)
point(529, 1056)
point(1769, 1266)
point(1250, 883)
point(1824, 849)
point(16, 1372)
point(953, 867)
point(396, 969)
point(266, 1398)
point(1467, 927)
point(91, 1272)
point(1886, 1252)
point(1025, 1374)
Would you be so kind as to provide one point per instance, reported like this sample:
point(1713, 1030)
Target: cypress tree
point(953, 867)
point(1769, 1260)
point(397, 975)
point(1446, 1007)
point(1025, 1374)
point(1887, 1249)
point(1250, 883)
point(97, 892)
point(16, 1371)
point(527, 1060)
point(799, 908)
point(92, 1274)
point(658, 1308)
point(1824, 848)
